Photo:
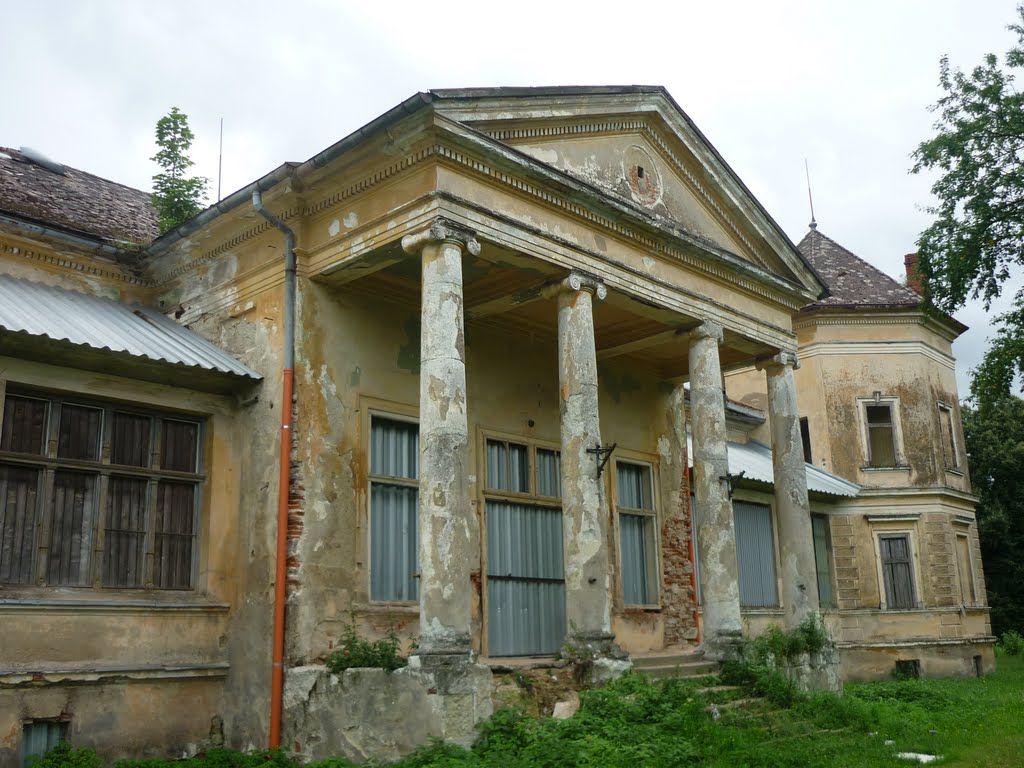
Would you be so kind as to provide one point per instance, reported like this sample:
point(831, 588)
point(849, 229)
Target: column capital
point(783, 359)
point(709, 329)
point(578, 281)
point(442, 230)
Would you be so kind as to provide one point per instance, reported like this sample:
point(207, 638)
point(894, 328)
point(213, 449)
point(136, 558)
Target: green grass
point(634, 723)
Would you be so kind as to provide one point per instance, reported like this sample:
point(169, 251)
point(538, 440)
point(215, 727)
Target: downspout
point(284, 482)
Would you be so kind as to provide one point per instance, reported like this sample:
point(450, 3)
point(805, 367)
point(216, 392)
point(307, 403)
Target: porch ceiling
point(499, 295)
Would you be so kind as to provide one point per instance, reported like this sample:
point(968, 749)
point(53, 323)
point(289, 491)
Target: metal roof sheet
point(754, 460)
point(36, 309)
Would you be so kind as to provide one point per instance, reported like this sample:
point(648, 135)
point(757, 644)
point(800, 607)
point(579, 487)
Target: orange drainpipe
point(284, 475)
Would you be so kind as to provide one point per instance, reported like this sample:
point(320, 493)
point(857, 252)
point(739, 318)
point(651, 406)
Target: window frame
point(654, 572)
point(899, 455)
point(96, 518)
point(946, 411)
point(829, 561)
point(888, 531)
point(406, 416)
point(768, 502)
point(530, 497)
point(964, 535)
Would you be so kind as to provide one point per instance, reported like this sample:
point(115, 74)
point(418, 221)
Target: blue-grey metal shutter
point(394, 511)
point(755, 555)
point(525, 580)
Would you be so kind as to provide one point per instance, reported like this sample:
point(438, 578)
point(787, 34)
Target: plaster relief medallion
point(642, 175)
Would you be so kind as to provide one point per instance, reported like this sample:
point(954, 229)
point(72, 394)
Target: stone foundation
point(370, 714)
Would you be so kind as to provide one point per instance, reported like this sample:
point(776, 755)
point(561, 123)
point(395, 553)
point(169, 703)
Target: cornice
point(64, 262)
point(162, 277)
point(722, 271)
point(845, 348)
point(522, 186)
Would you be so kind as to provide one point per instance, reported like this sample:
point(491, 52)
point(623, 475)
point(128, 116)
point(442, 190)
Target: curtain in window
point(635, 548)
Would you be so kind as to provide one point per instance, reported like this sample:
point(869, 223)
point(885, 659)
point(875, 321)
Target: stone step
point(685, 667)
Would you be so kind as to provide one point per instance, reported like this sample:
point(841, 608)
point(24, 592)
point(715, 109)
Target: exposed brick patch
point(296, 508)
point(679, 604)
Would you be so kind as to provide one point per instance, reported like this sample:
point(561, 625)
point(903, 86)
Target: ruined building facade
point(514, 313)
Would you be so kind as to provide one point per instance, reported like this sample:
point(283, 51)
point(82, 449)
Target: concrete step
point(682, 665)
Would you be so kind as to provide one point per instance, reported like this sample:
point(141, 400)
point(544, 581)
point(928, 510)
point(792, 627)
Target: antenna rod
point(807, 170)
point(220, 158)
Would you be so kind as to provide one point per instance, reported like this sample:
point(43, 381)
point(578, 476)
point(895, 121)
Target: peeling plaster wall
point(137, 672)
point(138, 719)
point(354, 358)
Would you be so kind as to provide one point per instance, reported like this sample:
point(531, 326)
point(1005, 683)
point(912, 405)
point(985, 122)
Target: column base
point(596, 657)
point(816, 671)
point(727, 645)
point(458, 692)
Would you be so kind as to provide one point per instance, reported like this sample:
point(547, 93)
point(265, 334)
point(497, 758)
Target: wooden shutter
point(897, 572)
point(19, 490)
point(70, 529)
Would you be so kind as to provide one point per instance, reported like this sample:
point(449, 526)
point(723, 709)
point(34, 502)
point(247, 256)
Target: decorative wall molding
point(62, 261)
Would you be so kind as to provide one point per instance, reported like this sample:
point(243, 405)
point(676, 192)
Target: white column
point(792, 508)
point(584, 506)
point(716, 540)
point(445, 512)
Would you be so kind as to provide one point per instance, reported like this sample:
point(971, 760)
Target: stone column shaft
point(584, 506)
point(792, 508)
point(445, 511)
point(716, 539)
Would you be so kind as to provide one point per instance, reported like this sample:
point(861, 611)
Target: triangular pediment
point(635, 143)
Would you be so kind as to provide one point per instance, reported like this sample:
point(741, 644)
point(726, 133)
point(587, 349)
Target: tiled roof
point(35, 309)
point(850, 279)
point(75, 201)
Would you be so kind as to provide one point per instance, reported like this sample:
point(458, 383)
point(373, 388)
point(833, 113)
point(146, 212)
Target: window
point(637, 542)
point(897, 571)
point(394, 509)
point(97, 495)
point(755, 555)
point(881, 435)
point(525, 567)
point(819, 528)
point(948, 434)
point(39, 737)
point(968, 593)
point(805, 438)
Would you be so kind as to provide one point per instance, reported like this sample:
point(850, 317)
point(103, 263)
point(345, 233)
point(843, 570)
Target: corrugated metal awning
point(35, 309)
point(754, 460)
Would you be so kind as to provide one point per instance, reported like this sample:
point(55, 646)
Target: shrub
point(66, 756)
point(1011, 643)
point(354, 651)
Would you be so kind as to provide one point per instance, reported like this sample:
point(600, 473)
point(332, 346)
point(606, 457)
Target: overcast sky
point(845, 85)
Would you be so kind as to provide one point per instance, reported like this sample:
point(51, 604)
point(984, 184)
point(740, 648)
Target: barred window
point(97, 495)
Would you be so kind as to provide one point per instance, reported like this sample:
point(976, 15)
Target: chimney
point(913, 275)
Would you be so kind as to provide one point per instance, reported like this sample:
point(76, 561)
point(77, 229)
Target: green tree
point(994, 434)
point(976, 241)
point(177, 197)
